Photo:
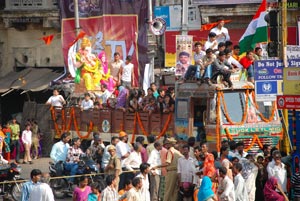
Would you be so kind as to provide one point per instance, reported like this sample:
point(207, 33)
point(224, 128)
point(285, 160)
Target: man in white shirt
point(155, 164)
point(240, 188)
point(87, 103)
point(212, 42)
point(249, 173)
point(123, 152)
point(134, 194)
point(226, 187)
point(104, 96)
point(232, 61)
point(56, 100)
point(221, 32)
point(186, 171)
point(277, 169)
point(126, 73)
point(134, 159)
point(42, 191)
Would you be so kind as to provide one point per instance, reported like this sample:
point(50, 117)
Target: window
point(235, 104)
point(182, 109)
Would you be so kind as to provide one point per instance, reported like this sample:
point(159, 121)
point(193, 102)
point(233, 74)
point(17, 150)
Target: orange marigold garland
point(254, 139)
point(57, 130)
point(229, 136)
point(141, 124)
point(166, 126)
point(76, 126)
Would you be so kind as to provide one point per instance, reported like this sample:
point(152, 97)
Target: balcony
point(31, 4)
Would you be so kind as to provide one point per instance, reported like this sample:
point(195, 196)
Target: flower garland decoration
point(73, 116)
point(141, 124)
point(254, 139)
point(229, 136)
point(53, 115)
point(260, 114)
point(166, 126)
point(218, 120)
point(244, 113)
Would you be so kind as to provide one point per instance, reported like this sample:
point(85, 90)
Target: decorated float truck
point(214, 113)
point(208, 112)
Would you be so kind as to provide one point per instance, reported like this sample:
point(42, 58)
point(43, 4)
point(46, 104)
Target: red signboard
point(288, 102)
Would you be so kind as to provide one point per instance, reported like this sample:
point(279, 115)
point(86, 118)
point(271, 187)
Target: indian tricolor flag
point(256, 31)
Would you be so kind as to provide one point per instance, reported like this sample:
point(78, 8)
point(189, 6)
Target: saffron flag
point(256, 31)
point(79, 36)
point(206, 27)
point(48, 39)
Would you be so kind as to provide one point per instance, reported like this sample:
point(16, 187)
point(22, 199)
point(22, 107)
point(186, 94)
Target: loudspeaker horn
point(158, 26)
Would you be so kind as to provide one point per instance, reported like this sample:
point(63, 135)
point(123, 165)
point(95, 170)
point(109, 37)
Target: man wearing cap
point(114, 165)
point(106, 156)
point(171, 188)
point(122, 151)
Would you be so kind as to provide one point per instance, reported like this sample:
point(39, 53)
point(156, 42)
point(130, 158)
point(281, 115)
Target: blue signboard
point(266, 90)
point(268, 70)
point(163, 12)
point(294, 63)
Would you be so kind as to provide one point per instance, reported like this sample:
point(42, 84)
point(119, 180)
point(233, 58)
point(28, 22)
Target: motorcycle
point(61, 187)
point(11, 173)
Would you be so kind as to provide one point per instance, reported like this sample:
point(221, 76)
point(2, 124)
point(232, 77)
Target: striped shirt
point(109, 194)
point(296, 184)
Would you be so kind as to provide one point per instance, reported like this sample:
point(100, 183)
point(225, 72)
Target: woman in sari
point(270, 192)
point(205, 192)
point(106, 76)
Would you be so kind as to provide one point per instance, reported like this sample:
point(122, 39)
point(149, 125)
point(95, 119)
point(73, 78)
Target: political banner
point(184, 51)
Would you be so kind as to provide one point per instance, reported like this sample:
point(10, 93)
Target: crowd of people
point(124, 98)
point(13, 142)
point(216, 59)
point(172, 169)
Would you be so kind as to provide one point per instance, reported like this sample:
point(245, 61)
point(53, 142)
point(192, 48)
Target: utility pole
point(77, 25)
point(184, 27)
point(283, 49)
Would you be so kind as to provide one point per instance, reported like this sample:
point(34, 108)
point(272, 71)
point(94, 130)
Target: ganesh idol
point(88, 66)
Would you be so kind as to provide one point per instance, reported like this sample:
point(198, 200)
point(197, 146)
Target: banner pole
point(77, 25)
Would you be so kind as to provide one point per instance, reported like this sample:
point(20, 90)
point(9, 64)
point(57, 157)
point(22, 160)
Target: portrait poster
point(184, 53)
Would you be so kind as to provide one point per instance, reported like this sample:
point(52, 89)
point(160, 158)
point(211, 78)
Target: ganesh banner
point(104, 33)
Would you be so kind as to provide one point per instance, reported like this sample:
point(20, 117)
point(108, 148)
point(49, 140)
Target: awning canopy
point(29, 79)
